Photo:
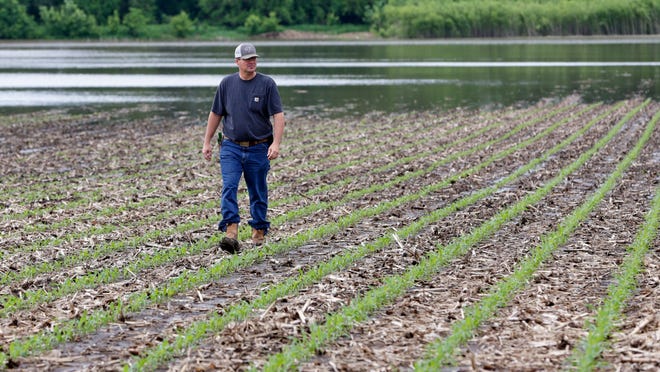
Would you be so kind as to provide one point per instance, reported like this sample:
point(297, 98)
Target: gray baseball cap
point(245, 51)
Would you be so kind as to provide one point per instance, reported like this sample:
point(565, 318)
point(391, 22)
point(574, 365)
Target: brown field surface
point(110, 253)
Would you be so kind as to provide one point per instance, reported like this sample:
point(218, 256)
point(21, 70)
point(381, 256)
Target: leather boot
point(258, 237)
point(230, 242)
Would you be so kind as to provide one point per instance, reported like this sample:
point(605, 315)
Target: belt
point(249, 143)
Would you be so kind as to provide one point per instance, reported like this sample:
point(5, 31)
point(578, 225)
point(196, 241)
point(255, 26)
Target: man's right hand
point(207, 150)
point(211, 126)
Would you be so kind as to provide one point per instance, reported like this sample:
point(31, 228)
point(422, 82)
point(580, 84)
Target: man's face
point(247, 65)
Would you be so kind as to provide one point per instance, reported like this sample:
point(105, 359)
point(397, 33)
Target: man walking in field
point(244, 103)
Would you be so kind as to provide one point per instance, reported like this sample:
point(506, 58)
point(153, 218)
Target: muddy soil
point(99, 210)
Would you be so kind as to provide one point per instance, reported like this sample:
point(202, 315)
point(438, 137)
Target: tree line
point(25, 19)
point(64, 19)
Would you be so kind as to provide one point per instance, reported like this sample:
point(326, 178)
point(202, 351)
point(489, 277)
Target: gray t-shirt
point(246, 106)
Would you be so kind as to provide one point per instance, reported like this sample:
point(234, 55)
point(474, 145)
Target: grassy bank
point(490, 18)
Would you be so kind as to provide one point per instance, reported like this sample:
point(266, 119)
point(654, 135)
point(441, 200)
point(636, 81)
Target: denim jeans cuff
point(261, 226)
point(222, 226)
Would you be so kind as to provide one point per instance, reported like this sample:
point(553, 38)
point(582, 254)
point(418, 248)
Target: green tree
point(100, 9)
point(351, 11)
point(310, 12)
point(15, 23)
point(181, 25)
point(68, 20)
point(135, 22)
point(256, 24)
point(114, 26)
point(170, 8)
point(148, 8)
point(32, 6)
point(282, 8)
point(230, 13)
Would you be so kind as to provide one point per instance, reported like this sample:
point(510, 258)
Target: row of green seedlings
point(30, 298)
point(106, 248)
point(108, 228)
point(586, 356)
point(96, 195)
point(51, 188)
point(340, 322)
point(88, 322)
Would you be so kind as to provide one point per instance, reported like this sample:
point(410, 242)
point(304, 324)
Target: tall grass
point(487, 18)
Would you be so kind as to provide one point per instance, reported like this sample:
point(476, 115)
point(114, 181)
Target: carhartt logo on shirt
point(256, 99)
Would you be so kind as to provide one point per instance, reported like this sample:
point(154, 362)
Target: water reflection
point(43, 80)
point(35, 98)
point(334, 77)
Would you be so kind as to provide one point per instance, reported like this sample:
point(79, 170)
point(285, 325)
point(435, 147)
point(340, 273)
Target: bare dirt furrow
point(635, 344)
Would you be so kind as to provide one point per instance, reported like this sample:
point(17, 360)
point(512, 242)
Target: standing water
point(333, 78)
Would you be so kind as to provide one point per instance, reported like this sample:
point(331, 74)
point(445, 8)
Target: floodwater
point(332, 78)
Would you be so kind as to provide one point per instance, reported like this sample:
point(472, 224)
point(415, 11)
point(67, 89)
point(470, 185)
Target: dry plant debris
point(110, 254)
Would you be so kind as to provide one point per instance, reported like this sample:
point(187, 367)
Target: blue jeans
point(253, 164)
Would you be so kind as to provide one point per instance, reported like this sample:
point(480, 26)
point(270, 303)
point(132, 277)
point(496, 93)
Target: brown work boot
point(230, 242)
point(258, 237)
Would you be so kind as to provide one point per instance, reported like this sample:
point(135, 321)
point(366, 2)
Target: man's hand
point(207, 150)
point(278, 132)
point(273, 151)
point(211, 127)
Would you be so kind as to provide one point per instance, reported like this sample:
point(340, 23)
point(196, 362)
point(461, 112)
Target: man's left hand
point(273, 151)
